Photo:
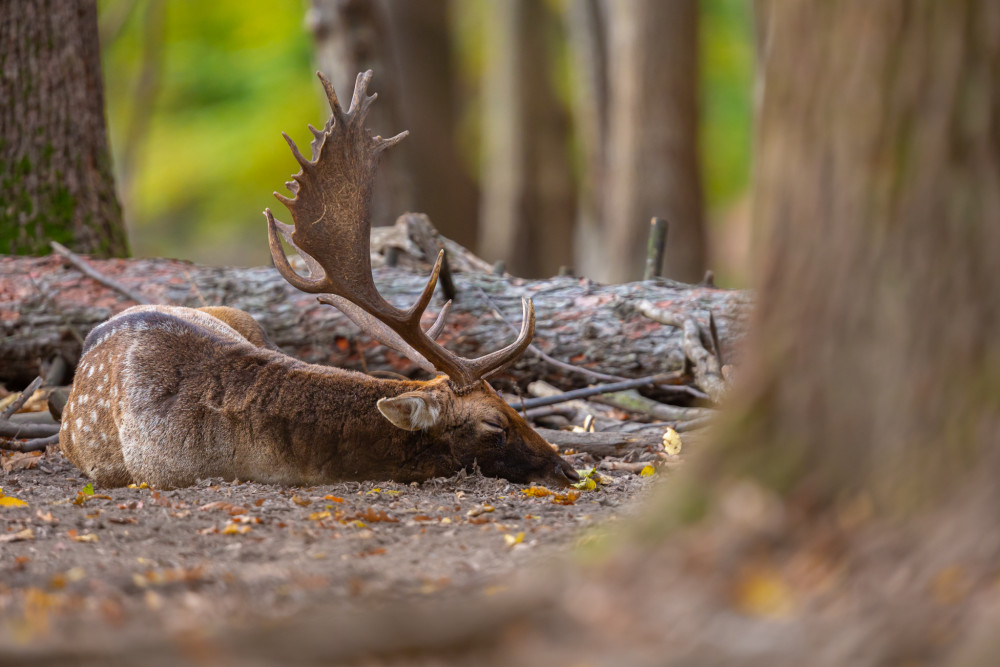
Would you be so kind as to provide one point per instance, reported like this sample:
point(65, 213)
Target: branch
point(660, 379)
point(32, 445)
point(89, 271)
point(603, 443)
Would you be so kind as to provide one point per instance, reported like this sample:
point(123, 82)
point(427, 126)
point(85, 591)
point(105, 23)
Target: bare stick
point(9, 429)
point(664, 378)
point(632, 401)
point(19, 402)
point(655, 248)
point(603, 443)
point(33, 445)
point(543, 356)
point(91, 272)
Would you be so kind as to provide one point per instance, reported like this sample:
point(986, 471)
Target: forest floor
point(78, 560)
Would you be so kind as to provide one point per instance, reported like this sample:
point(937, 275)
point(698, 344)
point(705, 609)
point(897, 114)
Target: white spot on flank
point(91, 371)
point(100, 387)
point(93, 415)
point(105, 375)
point(79, 422)
point(86, 429)
point(104, 437)
point(114, 390)
point(101, 368)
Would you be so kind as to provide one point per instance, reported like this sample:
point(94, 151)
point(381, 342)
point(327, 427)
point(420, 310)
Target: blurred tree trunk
point(56, 181)
point(527, 210)
point(888, 207)
point(652, 145)
point(442, 187)
point(587, 33)
point(351, 37)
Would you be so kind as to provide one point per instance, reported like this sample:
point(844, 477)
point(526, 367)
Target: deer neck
point(325, 422)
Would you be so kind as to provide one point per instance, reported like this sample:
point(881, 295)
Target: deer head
point(330, 207)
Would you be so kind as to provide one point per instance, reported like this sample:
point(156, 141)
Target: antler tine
point(306, 165)
point(417, 309)
point(331, 95)
point(311, 285)
point(442, 318)
point(360, 93)
point(495, 362)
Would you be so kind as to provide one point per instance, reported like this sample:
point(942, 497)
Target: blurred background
point(545, 134)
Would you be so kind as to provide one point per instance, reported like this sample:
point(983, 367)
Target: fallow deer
point(167, 395)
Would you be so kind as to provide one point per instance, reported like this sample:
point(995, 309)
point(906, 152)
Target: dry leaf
point(334, 499)
point(19, 461)
point(671, 441)
point(19, 536)
point(762, 592)
point(647, 471)
point(319, 516)
point(10, 501)
point(481, 509)
point(536, 492)
point(301, 502)
point(511, 540)
point(567, 498)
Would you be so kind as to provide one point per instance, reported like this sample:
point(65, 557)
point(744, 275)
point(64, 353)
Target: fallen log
point(47, 307)
point(604, 443)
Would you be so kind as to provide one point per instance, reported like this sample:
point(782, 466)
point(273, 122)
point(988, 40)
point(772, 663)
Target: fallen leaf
point(334, 499)
point(319, 516)
point(481, 509)
point(567, 498)
point(88, 489)
point(19, 536)
point(301, 502)
point(87, 537)
point(19, 461)
point(760, 591)
point(586, 484)
point(647, 471)
point(10, 501)
point(511, 540)
point(536, 492)
point(671, 441)
point(233, 529)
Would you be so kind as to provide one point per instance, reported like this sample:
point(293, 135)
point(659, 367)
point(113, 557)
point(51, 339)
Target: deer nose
point(565, 470)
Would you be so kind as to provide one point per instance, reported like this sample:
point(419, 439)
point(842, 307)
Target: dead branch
point(91, 272)
point(633, 401)
point(662, 380)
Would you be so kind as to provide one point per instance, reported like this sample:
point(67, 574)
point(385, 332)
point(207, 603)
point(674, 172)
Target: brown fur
point(169, 395)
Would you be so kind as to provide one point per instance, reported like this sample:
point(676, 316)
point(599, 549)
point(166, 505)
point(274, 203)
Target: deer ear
point(412, 411)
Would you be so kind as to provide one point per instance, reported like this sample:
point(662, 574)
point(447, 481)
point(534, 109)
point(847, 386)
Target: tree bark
point(351, 37)
point(47, 308)
point(443, 187)
point(527, 209)
point(56, 181)
point(652, 145)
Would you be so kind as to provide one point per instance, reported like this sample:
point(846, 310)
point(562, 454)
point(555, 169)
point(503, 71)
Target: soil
point(78, 558)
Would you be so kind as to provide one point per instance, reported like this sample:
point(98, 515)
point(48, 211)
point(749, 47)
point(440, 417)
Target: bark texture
point(56, 181)
point(351, 37)
point(527, 209)
point(652, 144)
point(443, 187)
point(47, 308)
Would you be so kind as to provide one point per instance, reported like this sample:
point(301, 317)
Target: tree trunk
point(351, 37)
point(443, 187)
point(47, 308)
point(56, 181)
point(526, 216)
point(652, 146)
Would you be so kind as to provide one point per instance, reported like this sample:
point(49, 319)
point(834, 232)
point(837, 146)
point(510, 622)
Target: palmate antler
point(331, 208)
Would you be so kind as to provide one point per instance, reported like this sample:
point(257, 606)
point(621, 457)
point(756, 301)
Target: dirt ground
point(76, 558)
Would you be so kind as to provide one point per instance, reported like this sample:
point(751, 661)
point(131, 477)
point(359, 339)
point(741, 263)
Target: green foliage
point(727, 64)
point(235, 74)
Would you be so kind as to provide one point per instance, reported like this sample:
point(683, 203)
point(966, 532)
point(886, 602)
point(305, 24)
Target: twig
point(91, 272)
point(9, 429)
point(632, 401)
point(19, 402)
point(713, 330)
point(603, 443)
point(663, 378)
point(550, 411)
point(32, 445)
point(707, 370)
point(655, 248)
point(543, 356)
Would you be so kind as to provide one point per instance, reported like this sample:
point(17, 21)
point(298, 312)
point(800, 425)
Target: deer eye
point(495, 426)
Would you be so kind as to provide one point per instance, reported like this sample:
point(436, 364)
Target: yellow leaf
point(762, 592)
point(335, 499)
point(88, 537)
point(300, 501)
point(511, 540)
point(375, 490)
point(586, 484)
point(671, 441)
point(19, 536)
point(647, 471)
point(88, 489)
point(536, 492)
point(567, 498)
point(233, 529)
point(10, 501)
point(319, 516)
